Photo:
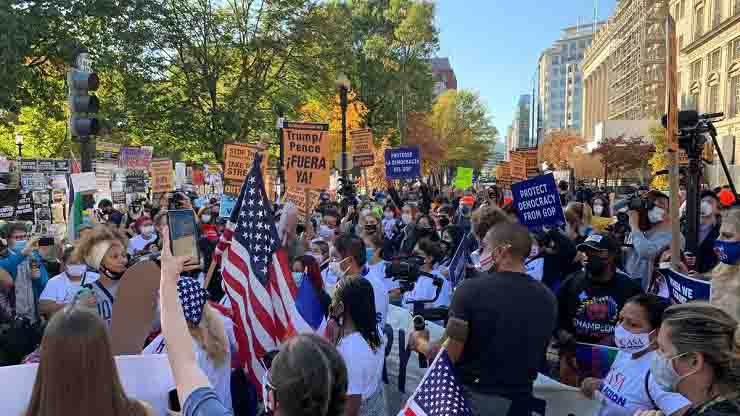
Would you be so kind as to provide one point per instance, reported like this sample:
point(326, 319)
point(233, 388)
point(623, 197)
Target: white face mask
point(388, 215)
point(406, 218)
point(336, 268)
point(630, 343)
point(656, 215)
point(75, 270)
point(205, 218)
point(664, 373)
point(706, 209)
point(147, 230)
point(325, 232)
point(598, 209)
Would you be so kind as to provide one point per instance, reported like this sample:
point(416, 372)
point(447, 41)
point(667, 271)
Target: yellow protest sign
point(306, 155)
point(238, 159)
point(363, 154)
point(163, 177)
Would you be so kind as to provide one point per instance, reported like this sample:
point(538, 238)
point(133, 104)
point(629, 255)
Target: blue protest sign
point(683, 289)
point(403, 163)
point(537, 202)
point(460, 259)
point(226, 206)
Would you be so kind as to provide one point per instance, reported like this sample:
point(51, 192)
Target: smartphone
point(183, 233)
point(46, 241)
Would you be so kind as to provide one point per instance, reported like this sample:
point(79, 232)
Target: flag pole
point(671, 137)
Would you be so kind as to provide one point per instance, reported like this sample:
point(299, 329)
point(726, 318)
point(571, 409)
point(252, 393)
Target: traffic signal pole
point(83, 108)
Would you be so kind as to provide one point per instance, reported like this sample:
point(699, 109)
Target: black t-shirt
point(511, 318)
point(590, 310)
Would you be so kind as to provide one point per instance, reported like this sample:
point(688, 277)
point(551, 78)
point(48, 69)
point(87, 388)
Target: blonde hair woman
point(726, 275)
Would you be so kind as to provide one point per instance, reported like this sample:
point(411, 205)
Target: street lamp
point(343, 86)
point(19, 143)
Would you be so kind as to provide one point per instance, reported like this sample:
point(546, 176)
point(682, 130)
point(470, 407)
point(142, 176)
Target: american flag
point(439, 393)
point(254, 267)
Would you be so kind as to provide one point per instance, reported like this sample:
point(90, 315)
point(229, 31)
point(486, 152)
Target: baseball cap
point(600, 242)
point(656, 193)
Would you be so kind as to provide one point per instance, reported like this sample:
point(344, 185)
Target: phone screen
point(183, 233)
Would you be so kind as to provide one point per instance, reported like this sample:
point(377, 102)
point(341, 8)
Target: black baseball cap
point(600, 242)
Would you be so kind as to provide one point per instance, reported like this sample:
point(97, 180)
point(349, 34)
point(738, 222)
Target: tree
point(659, 161)
point(620, 154)
point(559, 146)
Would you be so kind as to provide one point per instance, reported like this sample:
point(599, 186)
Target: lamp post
point(19, 143)
point(343, 86)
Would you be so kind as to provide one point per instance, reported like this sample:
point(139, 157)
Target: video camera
point(407, 272)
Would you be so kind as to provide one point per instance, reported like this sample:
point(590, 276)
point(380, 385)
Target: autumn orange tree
point(621, 154)
point(559, 147)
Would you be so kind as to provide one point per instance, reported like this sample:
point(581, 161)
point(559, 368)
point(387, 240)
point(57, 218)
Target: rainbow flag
point(594, 360)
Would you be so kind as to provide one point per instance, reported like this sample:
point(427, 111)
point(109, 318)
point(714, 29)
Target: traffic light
point(82, 106)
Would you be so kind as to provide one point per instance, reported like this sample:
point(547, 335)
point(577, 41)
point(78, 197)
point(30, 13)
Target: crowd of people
point(522, 295)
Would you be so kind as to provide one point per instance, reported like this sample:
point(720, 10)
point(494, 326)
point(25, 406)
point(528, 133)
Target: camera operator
point(426, 254)
point(499, 327)
point(557, 253)
point(649, 238)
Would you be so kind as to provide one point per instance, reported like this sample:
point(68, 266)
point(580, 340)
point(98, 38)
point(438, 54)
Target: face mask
point(76, 270)
point(598, 209)
point(444, 222)
point(630, 343)
point(706, 209)
point(336, 268)
point(371, 228)
point(369, 253)
point(596, 266)
point(147, 230)
point(388, 215)
point(325, 232)
point(205, 218)
point(406, 218)
point(110, 274)
point(487, 263)
point(19, 245)
point(664, 374)
point(728, 252)
point(298, 278)
point(656, 215)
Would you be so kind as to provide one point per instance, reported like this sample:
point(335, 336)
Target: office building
point(444, 76)
point(624, 68)
point(520, 124)
point(559, 86)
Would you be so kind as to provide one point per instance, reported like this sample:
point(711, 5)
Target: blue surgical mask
point(19, 245)
point(728, 252)
point(298, 278)
point(369, 253)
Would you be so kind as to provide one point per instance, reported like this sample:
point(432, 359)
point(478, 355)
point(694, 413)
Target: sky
point(494, 45)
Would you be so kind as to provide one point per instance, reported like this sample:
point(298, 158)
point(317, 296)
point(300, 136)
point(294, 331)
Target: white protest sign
point(144, 377)
point(84, 182)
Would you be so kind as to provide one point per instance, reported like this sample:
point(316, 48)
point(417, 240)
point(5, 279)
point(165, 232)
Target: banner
point(464, 178)
point(363, 154)
point(135, 157)
point(537, 202)
point(144, 377)
point(163, 178)
point(683, 289)
point(106, 150)
point(307, 162)
point(84, 182)
point(403, 163)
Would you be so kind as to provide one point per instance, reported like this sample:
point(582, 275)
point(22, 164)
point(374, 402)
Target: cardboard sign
point(233, 187)
point(106, 150)
point(134, 308)
point(84, 182)
point(198, 177)
point(683, 289)
point(135, 157)
point(363, 154)
point(403, 163)
point(238, 159)
point(226, 206)
point(464, 178)
point(307, 163)
point(298, 198)
point(537, 201)
point(163, 178)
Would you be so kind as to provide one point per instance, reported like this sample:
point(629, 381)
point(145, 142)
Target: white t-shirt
point(364, 367)
point(60, 289)
point(623, 391)
point(376, 277)
point(138, 243)
point(424, 289)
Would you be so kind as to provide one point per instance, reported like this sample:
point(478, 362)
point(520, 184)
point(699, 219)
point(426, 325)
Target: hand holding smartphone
point(183, 230)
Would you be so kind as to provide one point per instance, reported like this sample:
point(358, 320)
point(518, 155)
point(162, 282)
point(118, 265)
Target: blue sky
point(494, 45)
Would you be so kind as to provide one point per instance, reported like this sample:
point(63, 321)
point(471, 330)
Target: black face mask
point(110, 274)
point(371, 228)
point(444, 222)
point(596, 266)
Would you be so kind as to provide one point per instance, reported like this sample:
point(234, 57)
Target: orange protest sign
point(303, 199)
point(163, 177)
point(238, 159)
point(363, 154)
point(306, 155)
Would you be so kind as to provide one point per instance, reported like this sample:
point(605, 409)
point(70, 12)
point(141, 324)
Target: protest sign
point(163, 179)
point(464, 178)
point(136, 180)
point(683, 289)
point(460, 259)
point(537, 201)
point(302, 199)
point(363, 155)
point(198, 177)
point(106, 150)
point(135, 308)
point(135, 157)
point(238, 159)
point(306, 155)
point(24, 207)
point(84, 182)
point(8, 200)
point(226, 205)
point(403, 163)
